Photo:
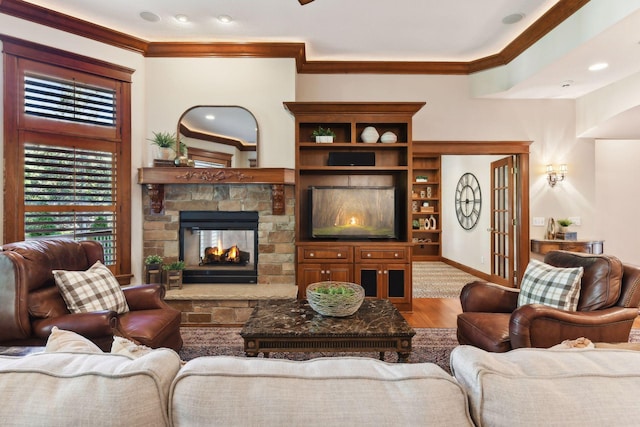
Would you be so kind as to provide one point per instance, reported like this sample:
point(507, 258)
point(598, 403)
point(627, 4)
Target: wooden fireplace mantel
point(155, 178)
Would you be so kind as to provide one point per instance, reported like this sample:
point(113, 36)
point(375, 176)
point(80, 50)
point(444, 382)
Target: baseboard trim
point(467, 269)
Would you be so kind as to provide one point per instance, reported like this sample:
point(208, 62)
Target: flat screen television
point(353, 213)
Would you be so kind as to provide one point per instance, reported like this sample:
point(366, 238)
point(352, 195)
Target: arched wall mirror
point(220, 136)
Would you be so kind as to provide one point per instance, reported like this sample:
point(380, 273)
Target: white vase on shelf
point(369, 135)
point(388, 138)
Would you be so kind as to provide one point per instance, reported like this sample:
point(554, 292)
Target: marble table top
point(296, 318)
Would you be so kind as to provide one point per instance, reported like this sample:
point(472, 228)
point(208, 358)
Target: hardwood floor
point(433, 313)
point(441, 313)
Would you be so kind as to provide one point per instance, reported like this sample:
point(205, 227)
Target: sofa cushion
point(87, 389)
point(68, 341)
point(539, 387)
point(551, 286)
point(602, 279)
point(95, 289)
point(345, 391)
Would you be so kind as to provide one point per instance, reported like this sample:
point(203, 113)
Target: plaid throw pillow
point(552, 286)
point(92, 290)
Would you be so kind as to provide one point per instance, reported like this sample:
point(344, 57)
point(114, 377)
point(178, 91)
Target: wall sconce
point(555, 176)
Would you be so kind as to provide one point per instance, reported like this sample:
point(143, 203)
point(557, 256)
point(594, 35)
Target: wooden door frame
point(519, 149)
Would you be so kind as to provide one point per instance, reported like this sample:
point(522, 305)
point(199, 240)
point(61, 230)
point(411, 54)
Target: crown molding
point(30, 12)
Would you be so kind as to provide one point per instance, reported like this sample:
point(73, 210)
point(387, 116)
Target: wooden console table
point(541, 246)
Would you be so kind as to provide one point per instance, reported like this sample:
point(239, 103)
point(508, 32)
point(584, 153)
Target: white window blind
point(69, 101)
point(70, 192)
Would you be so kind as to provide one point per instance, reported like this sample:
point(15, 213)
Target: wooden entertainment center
point(381, 266)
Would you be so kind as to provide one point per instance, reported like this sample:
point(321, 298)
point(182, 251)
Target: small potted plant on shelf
point(173, 272)
point(323, 135)
point(166, 143)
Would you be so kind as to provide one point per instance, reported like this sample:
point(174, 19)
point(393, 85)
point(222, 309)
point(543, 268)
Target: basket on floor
point(336, 299)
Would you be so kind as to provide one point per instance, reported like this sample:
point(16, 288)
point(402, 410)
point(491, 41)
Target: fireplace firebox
point(219, 246)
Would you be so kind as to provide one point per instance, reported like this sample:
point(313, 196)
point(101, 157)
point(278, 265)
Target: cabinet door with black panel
point(385, 272)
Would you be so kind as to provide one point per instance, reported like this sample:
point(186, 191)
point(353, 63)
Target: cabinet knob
point(321, 271)
point(385, 272)
point(395, 255)
point(311, 254)
point(368, 255)
point(339, 255)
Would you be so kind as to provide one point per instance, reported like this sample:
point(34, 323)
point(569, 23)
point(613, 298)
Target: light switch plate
point(575, 220)
point(538, 221)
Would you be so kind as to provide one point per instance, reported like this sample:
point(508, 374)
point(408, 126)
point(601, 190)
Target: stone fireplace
point(267, 193)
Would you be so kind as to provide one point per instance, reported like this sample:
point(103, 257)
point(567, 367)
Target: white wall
point(618, 200)
point(174, 85)
point(468, 247)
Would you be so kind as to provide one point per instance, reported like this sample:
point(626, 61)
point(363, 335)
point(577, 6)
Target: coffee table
point(293, 326)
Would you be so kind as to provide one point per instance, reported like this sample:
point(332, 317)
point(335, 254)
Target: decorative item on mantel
point(388, 138)
point(183, 159)
point(369, 135)
point(165, 143)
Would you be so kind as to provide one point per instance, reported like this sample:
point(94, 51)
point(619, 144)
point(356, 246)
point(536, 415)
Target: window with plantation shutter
point(69, 100)
point(78, 189)
point(67, 150)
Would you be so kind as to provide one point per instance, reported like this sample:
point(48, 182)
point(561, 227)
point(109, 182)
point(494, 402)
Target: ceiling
point(378, 30)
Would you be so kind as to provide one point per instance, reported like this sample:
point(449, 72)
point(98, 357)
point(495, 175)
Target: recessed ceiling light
point(225, 19)
point(210, 117)
point(149, 16)
point(598, 66)
point(513, 18)
point(182, 18)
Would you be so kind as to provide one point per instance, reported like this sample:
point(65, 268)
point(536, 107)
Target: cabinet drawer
point(340, 253)
point(398, 253)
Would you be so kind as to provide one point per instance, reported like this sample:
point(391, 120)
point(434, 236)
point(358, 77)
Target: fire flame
point(233, 253)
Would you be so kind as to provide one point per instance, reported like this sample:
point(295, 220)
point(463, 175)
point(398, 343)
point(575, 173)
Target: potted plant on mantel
point(323, 135)
point(173, 273)
point(166, 143)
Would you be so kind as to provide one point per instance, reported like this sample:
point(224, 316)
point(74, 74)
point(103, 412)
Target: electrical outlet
point(481, 260)
point(575, 220)
point(538, 221)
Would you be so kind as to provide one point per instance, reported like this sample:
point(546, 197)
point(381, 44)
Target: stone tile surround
point(204, 304)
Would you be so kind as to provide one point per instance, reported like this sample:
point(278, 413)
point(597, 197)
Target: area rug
point(429, 345)
point(438, 280)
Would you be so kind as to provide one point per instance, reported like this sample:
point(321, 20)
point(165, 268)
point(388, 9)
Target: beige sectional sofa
point(526, 387)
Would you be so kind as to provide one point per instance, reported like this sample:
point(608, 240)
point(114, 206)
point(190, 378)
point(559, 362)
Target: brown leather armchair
point(608, 305)
point(31, 305)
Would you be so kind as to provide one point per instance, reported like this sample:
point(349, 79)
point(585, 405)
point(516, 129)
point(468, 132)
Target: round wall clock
point(468, 201)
